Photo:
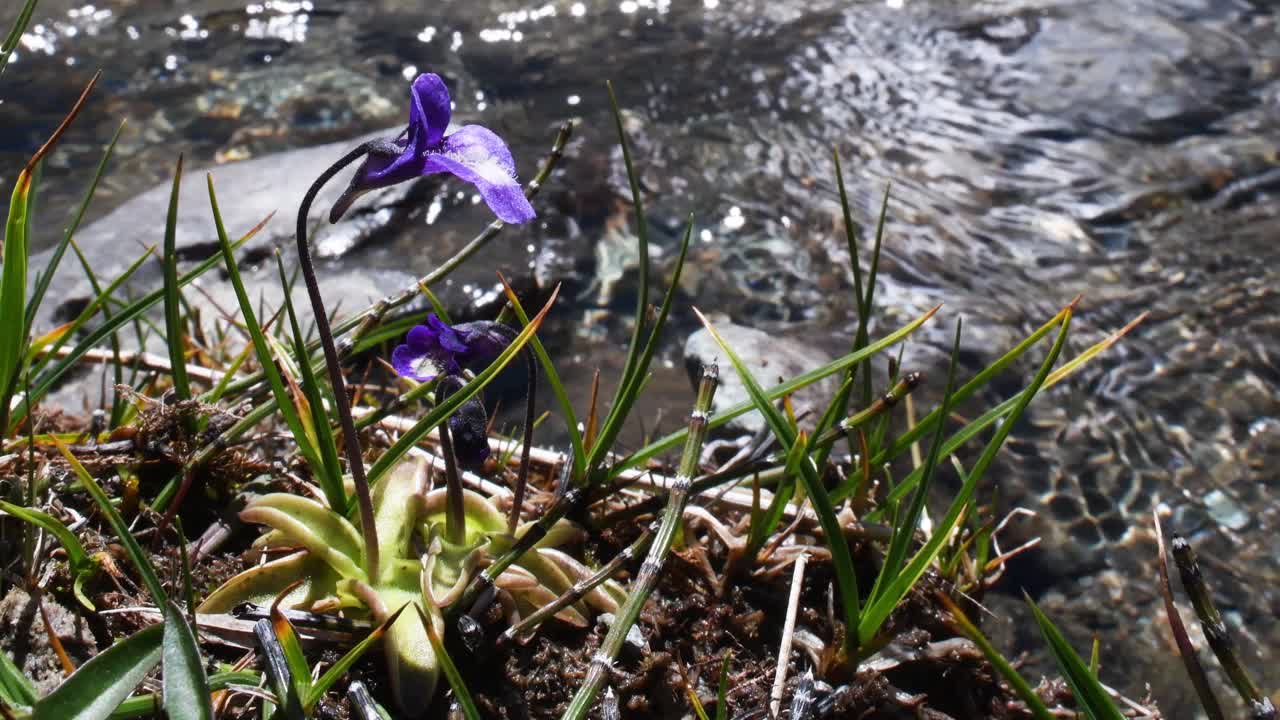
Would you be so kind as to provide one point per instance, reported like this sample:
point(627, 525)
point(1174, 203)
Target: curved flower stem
point(341, 403)
point(455, 521)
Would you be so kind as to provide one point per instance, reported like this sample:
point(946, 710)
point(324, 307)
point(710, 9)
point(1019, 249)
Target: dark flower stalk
point(342, 405)
point(471, 153)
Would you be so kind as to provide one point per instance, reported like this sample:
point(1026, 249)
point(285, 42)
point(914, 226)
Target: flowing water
point(1128, 151)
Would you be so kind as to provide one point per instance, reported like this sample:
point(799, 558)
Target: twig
point(580, 588)
point(788, 632)
point(1190, 660)
point(647, 579)
point(1215, 631)
point(146, 360)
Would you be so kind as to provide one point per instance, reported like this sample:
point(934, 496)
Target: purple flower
point(471, 153)
point(441, 350)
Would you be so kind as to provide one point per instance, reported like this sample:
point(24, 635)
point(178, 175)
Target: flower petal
point(469, 426)
point(429, 112)
point(484, 339)
point(445, 336)
point(478, 156)
point(414, 364)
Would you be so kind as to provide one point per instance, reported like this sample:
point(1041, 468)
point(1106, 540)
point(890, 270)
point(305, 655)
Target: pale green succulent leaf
point(328, 535)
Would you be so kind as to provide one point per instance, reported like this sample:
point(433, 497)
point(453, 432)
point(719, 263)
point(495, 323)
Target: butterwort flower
point(439, 350)
point(471, 153)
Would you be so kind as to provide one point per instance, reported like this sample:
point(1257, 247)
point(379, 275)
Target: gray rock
point(247, 192)
point(771, 358)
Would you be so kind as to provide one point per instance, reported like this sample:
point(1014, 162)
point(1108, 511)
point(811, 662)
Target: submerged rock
point(247, 192)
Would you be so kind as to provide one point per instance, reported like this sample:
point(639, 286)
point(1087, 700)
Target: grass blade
point(1088, 692)
point(131, 547)
point(174, 337)
point(14, 254)
point(102, 683)
point(335, 494)
point(326, 444)
point(630, 387)
point(879, 610)
point(287, 638)
point(78, 560)
point(961, 624)
point(15, 688)
point(127, 314)
point(46, 276)
point(662, 445)
point(904, 531)
point(186, 688)
point(275, 659)
point(991, 416)
point(451, 673)
point(557, 387)
point(722, 693)
point(632, 365)
point(338, 669)
point(15, 33)
point(846, 579)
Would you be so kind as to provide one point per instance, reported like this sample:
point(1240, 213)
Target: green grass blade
point(127, 314)
point(334, 495)
point(904, 441)
point(665, 444)
point(126, 539)
point(631, 367)
point(904, 531)
point(186, 688)
point(960, 623)
point(16, 689)
point(15, 33)
point(451, 673)
point(846, 579)
point(438, 414)
point(279, 671)
point(326, 445)
point(338, 669)
point(101, 301)
point(77, 559)
point(764, 526)
point(630, 386)
point(287, 638)
point(46, 276)
point(175, 339)
point(722, 693)
point(557, 387)
point(13, 292)
point(100, 685)
point(879, 610)
point(988, 418)
point(76, 555)
point(14, 255)
point(1088, 692)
